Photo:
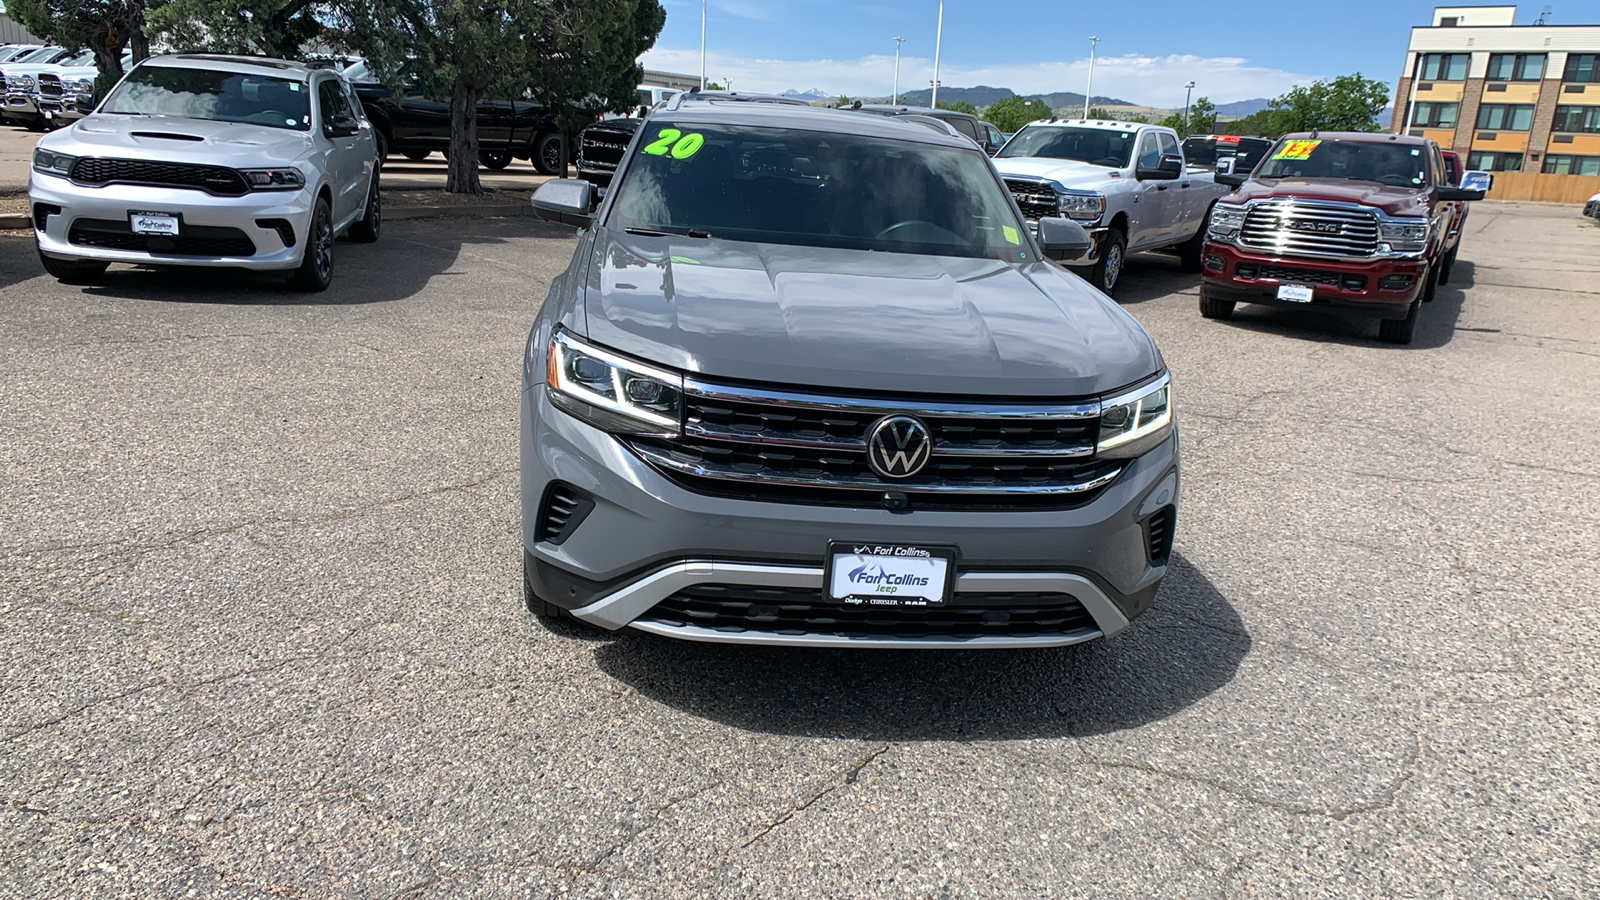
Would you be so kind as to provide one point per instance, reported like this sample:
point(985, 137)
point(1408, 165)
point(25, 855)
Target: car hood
point(860, 321)
point(1395, 201)
point(1068, 173)
point(12, 70)
point(176, 139)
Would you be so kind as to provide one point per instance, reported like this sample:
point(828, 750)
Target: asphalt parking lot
point(259, 561)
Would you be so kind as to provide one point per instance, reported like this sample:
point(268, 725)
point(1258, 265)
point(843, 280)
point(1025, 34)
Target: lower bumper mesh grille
point(195, 240)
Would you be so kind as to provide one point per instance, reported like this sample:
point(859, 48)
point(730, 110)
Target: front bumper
point(1262, 274)
point(21, 107)
point(196, 208)
point(648, 538)
point(1097, 242)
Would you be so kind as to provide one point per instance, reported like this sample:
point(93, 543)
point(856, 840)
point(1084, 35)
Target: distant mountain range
point(809, 96)
point(983, 95)
point(1242, 108)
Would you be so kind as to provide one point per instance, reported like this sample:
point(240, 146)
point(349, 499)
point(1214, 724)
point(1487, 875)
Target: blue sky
point(1233, 50)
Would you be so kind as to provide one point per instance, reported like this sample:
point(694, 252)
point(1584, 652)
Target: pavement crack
point(850, 777)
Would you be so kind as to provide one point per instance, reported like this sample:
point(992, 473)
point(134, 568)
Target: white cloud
point(1150, 80)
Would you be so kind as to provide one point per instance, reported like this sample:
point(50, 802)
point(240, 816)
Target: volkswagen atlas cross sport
point(201, 160)
point(808, 380)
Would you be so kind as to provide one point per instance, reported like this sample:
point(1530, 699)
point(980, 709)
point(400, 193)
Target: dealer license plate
point(1296, 293)
point(860, 574)
point(153, 223)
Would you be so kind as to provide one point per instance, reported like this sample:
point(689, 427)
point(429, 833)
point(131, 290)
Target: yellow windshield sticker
point(1011, 234)
point(1296, 150)
point(680, 145)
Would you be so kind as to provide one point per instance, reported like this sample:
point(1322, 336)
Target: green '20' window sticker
point(674, 142)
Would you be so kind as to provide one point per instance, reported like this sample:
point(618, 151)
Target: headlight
point(1406, 235)
point(1226, 220)
point(1135, 422)
point(1085, 207)
point(610, 392)
point(52, 163)
point(84, 84)
point(25, 84)
point(274, 179)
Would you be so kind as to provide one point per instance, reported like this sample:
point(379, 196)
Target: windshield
point(816, 189)
point(1402, 165)
point(41, 55)
point(217, 96)
point(358, 71)
point(1098, 146)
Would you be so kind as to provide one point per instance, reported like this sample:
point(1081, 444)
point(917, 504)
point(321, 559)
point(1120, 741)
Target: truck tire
point(1190, 252)
point(1107, 271)
point(547, 154)
point(79, 272)
point(1212, 308)
point(496, 159)
point(382, 142)
point(1444, 270)
point(1400, 331)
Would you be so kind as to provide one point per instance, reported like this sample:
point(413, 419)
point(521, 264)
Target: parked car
point(987, 136)
point(808, 380)
point(1592, 208)
point(205, 160)
point(1225, 153)
point(1127, 183)
point(1342, 222)
point(9, 52)
point(601, 146)
point(21, 85)
point(411, 124)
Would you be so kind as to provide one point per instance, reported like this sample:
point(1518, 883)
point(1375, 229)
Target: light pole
point(1188, 90)
point(1088, 89)
point(895, 100)
point(938, 37)
point(702, 45)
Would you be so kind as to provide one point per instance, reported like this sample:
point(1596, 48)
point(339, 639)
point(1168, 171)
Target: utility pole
point(938, 37)
point(1188, 90)
point(895, 100)
point(702, 45)
point(1088, 89)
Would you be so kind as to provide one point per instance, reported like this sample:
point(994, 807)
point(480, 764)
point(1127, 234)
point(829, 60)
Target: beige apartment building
point(1508, 98)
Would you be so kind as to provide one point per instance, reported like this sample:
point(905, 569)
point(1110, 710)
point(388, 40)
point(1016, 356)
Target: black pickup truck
point(412, 125)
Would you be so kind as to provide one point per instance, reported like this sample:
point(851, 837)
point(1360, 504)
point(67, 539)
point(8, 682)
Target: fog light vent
point(1247, 270)
point(282, 227)
point(563, 510)
point(1353, 282)
point(1214, 262)
point(1158, 535)
point(1397, 282)
point(42, 213)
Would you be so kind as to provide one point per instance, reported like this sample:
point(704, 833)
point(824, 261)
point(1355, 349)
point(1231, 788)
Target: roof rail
point(698, 96)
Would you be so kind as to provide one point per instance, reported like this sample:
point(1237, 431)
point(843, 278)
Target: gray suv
point(810, 380)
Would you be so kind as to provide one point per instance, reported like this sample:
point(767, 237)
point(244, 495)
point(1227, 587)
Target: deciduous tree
point(1013, 112)
point(276, 28)
point(106, 27)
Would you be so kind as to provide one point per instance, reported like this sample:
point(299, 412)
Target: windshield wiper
point(688, 232)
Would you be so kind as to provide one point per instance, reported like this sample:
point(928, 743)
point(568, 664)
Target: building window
point(1567, 164)
point(1435, 115)
point(1443, 66)
point(1582, 67)
point(1516, 67)
point(1577, 120)
point(1505, 116)
point(1494, 161)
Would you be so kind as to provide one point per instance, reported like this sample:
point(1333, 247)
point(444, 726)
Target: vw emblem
point(898, 446)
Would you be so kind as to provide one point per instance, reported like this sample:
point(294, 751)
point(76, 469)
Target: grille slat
point(1036, 199)
point(1296, 227)
point(50, 86)
point(803, 611)
point(217, 180)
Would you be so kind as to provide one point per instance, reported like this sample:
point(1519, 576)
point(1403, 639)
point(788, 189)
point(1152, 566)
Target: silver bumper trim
point(622, 607)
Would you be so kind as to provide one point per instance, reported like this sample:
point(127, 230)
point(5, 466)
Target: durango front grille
point(1035, 199)
point(806, 448)
point(802, 611)
point(193, 240)
point(1310, 228)
point(216, 180)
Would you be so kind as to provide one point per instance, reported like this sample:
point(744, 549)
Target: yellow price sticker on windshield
point(1296, 150)
point(1011, 234)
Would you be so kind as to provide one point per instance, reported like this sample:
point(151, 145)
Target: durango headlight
point(52, 163)
point(611, 392)
point(1083, 206)
point(1406, 235)
point(273, 179)
point(1135, 422)
point(1226, 220)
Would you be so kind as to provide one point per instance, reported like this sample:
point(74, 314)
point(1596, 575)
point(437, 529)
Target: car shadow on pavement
point(19, 259)
point(1187, 646)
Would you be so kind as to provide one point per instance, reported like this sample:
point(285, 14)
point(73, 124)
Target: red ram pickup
point(1346, 222)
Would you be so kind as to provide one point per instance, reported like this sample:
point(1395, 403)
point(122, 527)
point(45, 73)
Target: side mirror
point(1168, 168)
point(1477, 180)
point(1063, 239)
point(1226, 164)
point(1232, 179)
point(569, 201)
point(1455, 193)
point(342, 126)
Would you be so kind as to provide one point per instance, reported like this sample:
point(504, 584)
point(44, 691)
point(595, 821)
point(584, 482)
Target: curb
point(20, 220)
point(486, 210)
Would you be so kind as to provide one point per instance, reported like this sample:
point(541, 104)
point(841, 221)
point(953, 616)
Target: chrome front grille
point(807, 448)
point(50, 86)
point(1036, 199)
point(1309, 228)
point(601, 149)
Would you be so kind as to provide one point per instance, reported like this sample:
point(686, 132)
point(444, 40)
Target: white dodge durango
point(206, 160)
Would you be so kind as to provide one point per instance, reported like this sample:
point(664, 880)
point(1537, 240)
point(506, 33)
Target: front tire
point(1191, 252)
point(73, 272)
point(1444, 269)
point(494, 159)
point(417, 155)
point(316, 269)
point(1107, 271)
point(1213, 308)
point(547, 154)
point(1400, 331)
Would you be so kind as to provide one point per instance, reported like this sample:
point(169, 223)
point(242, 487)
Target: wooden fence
point(1573, 189)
